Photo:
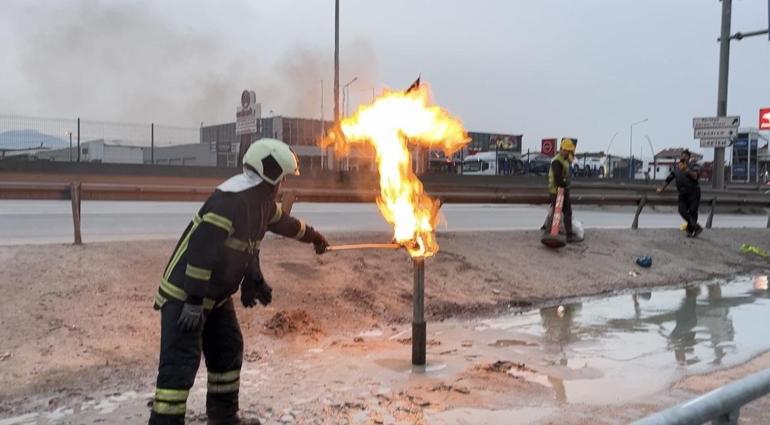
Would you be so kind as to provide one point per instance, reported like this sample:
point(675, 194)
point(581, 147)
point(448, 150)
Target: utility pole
point(331, 159)
point(718, 180)
point(336, 61)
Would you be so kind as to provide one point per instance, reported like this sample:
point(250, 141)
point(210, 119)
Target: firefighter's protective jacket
point(220, 246)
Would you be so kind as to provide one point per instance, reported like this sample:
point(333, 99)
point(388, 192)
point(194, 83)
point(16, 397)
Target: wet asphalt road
point(25, 222)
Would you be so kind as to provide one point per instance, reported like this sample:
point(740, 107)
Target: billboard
point(744, 157)
point(505, 142)
point(248, 113)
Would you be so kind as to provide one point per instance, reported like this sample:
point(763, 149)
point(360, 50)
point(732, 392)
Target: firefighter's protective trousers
point(221, 344)
point(217, 252)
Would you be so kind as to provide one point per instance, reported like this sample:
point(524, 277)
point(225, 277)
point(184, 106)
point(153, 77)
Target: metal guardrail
point(78, 192)
point(721, 406)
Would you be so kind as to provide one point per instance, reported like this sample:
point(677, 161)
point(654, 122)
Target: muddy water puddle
point(616, 349)
point(537, 363)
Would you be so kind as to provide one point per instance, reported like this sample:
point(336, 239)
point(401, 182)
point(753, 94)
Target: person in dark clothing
point(559, 177)
point(686, 175)
point(217, 254)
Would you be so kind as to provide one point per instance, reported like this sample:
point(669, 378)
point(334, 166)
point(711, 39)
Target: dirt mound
point(292, 322)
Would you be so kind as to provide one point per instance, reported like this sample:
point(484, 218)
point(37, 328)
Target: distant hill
point(30, 139)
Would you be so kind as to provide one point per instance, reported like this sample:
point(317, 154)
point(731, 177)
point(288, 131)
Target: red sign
point(764, 119)
point(548, 147)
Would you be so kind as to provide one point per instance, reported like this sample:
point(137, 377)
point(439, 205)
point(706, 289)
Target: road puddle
point(611, 350)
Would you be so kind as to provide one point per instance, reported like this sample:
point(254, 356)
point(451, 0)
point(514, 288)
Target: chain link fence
point(82, 140)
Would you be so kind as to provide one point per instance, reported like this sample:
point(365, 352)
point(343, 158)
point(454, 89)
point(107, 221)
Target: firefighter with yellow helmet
point(217, 255)
point(559, 175)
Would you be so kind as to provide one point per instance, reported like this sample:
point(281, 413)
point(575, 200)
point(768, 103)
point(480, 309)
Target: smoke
point(142, 61)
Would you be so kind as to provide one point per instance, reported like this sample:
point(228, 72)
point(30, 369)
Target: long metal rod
point(419, 328)
point(363, 246)
point(741, 35)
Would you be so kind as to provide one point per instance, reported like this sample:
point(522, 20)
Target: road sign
point(714, 143)
point(716, 122)
point(715, 133)
point(764, 119)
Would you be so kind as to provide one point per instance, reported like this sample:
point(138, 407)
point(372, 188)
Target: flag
point(415, 85)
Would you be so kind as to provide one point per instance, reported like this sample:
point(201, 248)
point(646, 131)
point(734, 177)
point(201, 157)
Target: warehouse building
point(113, 152)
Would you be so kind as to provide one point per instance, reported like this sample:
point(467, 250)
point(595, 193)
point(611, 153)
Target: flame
point(392, 122)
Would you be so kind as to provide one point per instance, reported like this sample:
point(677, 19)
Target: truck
point(480, 164)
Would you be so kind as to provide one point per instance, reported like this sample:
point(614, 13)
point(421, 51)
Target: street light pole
point(631, 149)
point(718, 179)
point(612, 139)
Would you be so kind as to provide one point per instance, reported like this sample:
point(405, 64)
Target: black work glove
point(256, 290)
point(319, 243)
point(192, 317)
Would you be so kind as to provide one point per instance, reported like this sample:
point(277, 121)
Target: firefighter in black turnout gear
point(218, 253)
point(685, 173)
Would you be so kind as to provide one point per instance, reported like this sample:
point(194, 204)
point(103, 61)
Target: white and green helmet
point(271, 159)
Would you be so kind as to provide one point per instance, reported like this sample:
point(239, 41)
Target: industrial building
point(195, 154)
point(97, 151)
point(303, 135)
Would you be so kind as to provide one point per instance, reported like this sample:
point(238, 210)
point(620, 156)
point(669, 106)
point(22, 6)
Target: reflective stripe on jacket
point(553, 185)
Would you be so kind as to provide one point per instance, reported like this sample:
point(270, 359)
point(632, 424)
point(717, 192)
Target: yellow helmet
point(567, 144)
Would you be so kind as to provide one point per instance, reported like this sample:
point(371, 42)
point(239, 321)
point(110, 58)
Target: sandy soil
point(76, 319)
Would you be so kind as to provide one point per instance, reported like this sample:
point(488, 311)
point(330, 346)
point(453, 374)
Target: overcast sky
point(545, 68)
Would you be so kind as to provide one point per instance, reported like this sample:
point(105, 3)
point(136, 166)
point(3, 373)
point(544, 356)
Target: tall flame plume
point(390, 124)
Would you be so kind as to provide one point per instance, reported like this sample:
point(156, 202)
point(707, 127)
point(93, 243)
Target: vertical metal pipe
point(78, 139)
point(639, 208)
point(718, 175)
point(710, 220)
point(631, 153)
point(152, 143)
point(748, 158)
point(75, 192)
point(419, 329)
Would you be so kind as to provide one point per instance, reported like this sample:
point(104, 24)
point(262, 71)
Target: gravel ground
point(78, 320)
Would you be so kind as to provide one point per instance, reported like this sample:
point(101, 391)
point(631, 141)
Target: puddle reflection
point(702, 317)
point(643, 341)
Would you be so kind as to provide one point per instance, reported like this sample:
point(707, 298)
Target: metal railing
point(78, 192)
point(721, 406)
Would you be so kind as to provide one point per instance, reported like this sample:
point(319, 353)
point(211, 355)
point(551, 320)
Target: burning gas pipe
point(419, 327)
point(389, 124)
